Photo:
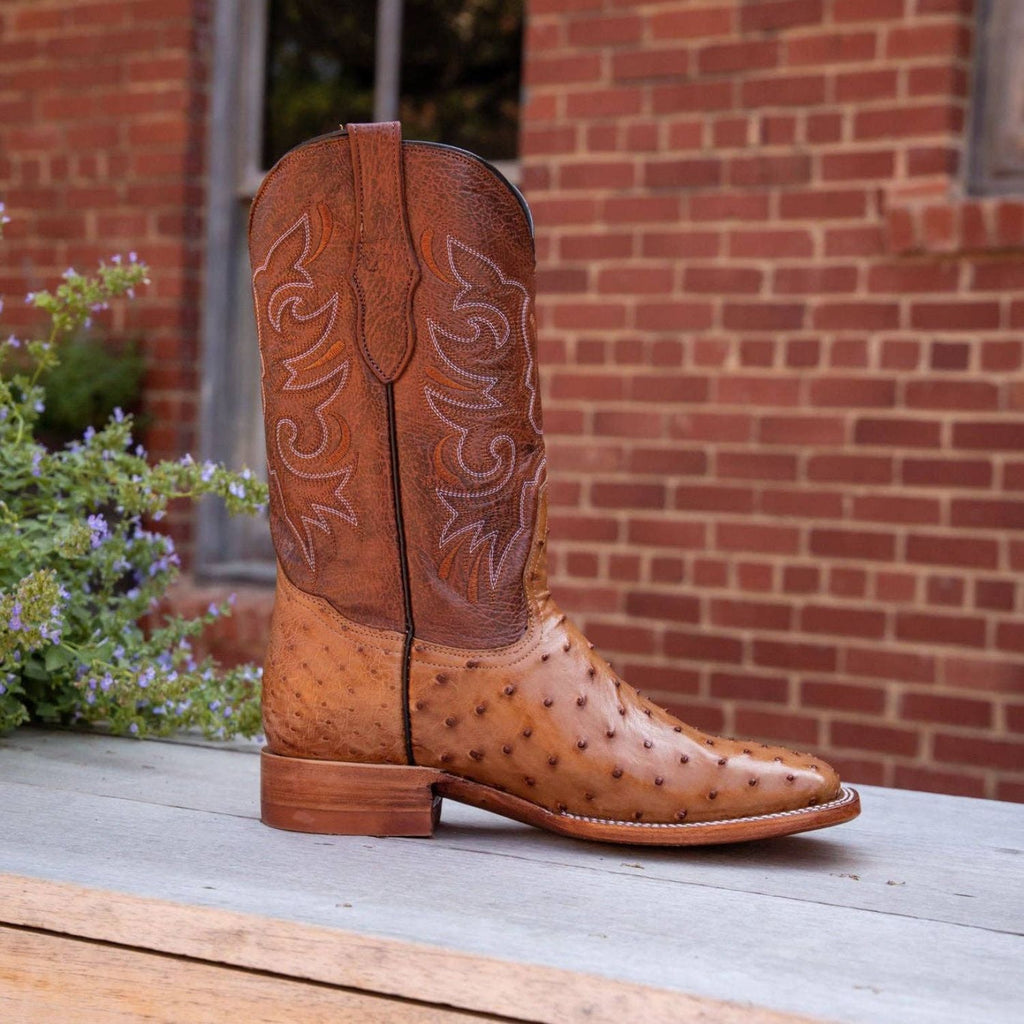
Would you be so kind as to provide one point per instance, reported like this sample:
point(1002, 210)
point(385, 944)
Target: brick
point(980, 752)
point(960, 711)
point(999, 356)
point(611, 636)
point(650, 64)
point(546, 141)
point(995, 595)
point(659, 210)
point(628, 423)
point(675, 461)
point(756, 615)
point(785, 727)
point(684, 134)
point(955, 316)
point(870, 165)
point(870, 316)
point(945, 590)
point(703, 646)
point(790, 655)
point(688, 244)
point(902, 278)
point(607, 245)
point(989, 435)
point(947, 39)
point(634, 280)
point(953, 550)
point(899, 433)
point(699, 95)
point(669, 388)
point(816, 431)
point(932, 628)
point(883, 738)
point(756, 466)
point(801, 579)
point(814, 280)
point(969, 473)
point(863, 86)
point(613, 174)
point(732, 57)
point(783, 91)
point(692, 24)
point(854, 241)
point(729, 132)
point(983, 674)
point(746, 687)
point(823, 204)
point(721, 427)
point(1010, 223)
point(907, 121)
point(778, 129)
point(747, 536)
point(755, 576)
point(880, 508)
point(929, 160)
point(868, 10)
point(1010, 636)
point(591, 30)
point(1013, 476)
point(762, 390)
point(712, 498)
point(756, 171)
point(803, 353)
point(668, 570)
point(853, 544)
point(666, 533)
point(710, 572)
point(718, 280)
point(990, 514)
point(769, 244)
point(772, 15)
point(896, 587)
point(881, 663)
point(950, 355)
point(652, 605)
point(802, 504)
point(691, 173)
point(627, 495)
point(853, 392)
point(831, 48)
point(842, 620)
point(847, 582)
point(856, 469)
point(674, 316)
point(758, 352)
point(952, 395)
point(763, 316)
point(842, 696)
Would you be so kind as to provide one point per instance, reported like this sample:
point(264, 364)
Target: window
point(996, 165)
point(286, 70)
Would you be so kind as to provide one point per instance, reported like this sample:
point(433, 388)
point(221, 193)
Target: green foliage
point(79, 568)
point(88, 384)
point(459, 75)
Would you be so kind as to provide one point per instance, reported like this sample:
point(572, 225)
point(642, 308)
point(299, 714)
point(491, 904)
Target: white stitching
point(848, 796)
point(288, 296)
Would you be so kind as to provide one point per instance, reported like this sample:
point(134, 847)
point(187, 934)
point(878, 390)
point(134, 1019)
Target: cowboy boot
point(415, 650)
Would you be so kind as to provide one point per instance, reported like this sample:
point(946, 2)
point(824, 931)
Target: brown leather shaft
point(384, 272)
point(467, 414)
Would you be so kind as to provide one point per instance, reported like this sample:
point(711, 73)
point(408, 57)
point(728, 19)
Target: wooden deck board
point(913, 913)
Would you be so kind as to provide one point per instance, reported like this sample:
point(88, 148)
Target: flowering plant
point(80, 571)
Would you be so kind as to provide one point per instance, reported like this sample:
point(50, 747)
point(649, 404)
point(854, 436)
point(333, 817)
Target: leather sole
point(340, 798)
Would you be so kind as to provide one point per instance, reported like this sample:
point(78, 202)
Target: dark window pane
point(460, 72)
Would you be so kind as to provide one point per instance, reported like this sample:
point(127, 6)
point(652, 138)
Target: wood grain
point(46, 978)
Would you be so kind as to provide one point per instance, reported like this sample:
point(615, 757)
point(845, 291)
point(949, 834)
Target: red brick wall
point(102, 136)
point(784, 401)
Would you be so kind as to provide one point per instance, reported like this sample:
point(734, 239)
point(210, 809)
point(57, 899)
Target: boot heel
point(345, 799)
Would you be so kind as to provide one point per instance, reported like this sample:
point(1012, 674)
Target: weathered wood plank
point(46, 978)
point(333, 957)
point(807, 925)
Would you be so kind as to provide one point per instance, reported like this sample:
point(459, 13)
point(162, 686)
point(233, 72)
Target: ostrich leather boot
point(415, 650)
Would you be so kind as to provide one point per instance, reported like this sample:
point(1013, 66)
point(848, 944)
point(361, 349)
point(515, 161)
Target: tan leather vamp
point(547, 719)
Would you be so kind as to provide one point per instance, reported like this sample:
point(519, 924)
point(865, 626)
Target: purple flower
point(37, 457)
point(133, 728)
point(15, 622)
point(13, 342)
point(99, 530)
point(68, 274)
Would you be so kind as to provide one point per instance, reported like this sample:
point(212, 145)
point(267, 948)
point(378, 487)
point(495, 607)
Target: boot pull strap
point(384, 271)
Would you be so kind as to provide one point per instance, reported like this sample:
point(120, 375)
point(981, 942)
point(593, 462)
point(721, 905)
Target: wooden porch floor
point(137, 884)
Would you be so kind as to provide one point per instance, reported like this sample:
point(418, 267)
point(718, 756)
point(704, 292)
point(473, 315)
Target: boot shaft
point(393, 285)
